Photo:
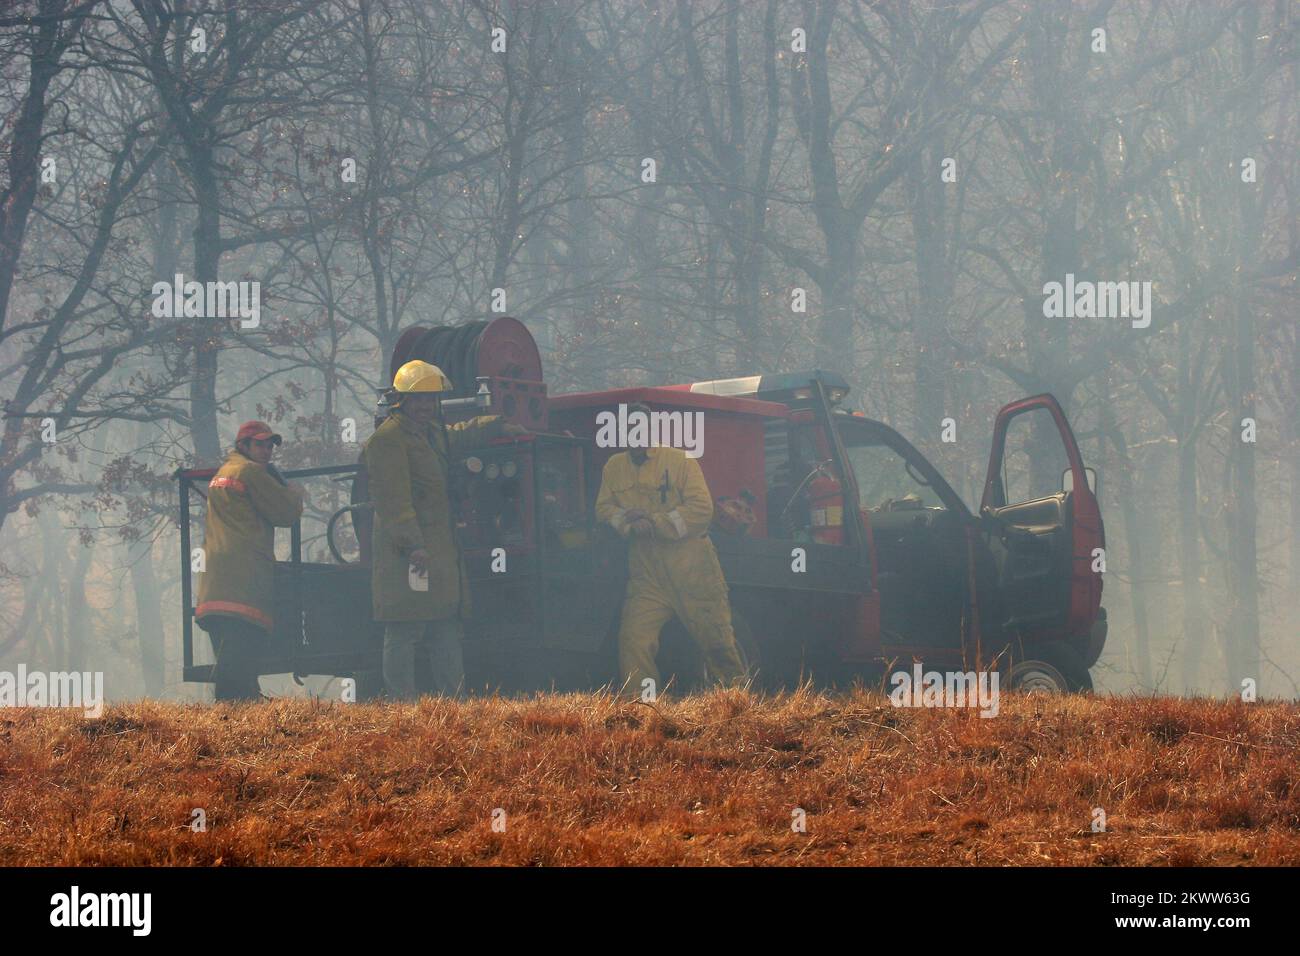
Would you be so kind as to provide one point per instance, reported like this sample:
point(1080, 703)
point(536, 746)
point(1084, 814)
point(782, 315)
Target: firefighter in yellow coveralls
point(657, 498)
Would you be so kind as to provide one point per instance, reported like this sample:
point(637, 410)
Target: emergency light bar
point(797, 386)
point(729, 386)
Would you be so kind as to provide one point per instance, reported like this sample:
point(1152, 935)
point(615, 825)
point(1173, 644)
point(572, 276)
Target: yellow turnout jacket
point(407, 465)
point(245, 506)
point(669, 486)
point(678, 560)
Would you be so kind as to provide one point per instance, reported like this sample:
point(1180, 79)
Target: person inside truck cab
point(657, 498)
point(247, 501)
point(419, 587)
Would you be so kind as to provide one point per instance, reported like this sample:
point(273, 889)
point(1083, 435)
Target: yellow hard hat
point(417, 376)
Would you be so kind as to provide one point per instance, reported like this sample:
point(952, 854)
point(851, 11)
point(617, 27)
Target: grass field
point(716, 779)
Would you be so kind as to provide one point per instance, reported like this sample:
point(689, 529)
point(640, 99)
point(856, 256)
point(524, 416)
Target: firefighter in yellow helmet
point(658, 499)
point(418, 582)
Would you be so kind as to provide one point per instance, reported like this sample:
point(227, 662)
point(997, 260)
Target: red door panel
point(1082, 512)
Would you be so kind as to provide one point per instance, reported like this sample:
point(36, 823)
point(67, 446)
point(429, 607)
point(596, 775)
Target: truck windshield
point(885, 483)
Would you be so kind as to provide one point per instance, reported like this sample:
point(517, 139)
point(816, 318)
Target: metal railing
point(192, 477)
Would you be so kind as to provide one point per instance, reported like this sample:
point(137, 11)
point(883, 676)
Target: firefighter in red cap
point(247, 501)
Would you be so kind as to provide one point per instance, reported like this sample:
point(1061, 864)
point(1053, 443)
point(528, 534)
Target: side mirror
point(1067, 479)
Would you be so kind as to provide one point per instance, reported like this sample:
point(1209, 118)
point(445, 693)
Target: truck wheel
point(1037, 677)
point(1052, 669)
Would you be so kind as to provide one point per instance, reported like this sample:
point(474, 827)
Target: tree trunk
point(835, 330)
point(1127, 497)
point(933, 283)
point(80, 634)
point(207, 331)
point(148, 615)
point(578, 236)
point(1294, 603)
point(1241, 638)
point(1189, 552)
point(24, 154)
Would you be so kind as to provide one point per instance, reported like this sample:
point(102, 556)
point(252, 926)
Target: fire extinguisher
point(826, 500)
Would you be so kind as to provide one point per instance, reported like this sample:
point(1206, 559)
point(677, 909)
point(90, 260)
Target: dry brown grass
point(585, 779)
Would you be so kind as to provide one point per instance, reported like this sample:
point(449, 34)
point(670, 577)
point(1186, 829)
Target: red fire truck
point(847, 554)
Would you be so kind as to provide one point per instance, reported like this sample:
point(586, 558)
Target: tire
point(1037, 677)
point(1052, 669)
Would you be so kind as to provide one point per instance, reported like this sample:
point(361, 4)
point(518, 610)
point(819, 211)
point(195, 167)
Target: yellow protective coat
point(407, 476)
point(673, 572)
point(245, 506)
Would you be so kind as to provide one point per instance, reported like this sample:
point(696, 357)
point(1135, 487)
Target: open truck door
point(1043, 522)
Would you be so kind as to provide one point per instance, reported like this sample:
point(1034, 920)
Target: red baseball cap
point(259, 430)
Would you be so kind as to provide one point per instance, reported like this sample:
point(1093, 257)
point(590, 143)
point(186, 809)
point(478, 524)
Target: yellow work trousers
point(679, 579)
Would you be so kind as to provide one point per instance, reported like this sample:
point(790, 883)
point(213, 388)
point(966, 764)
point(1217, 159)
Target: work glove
point(642, 527)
